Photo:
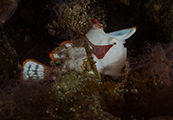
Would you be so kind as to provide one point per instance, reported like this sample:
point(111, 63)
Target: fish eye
point(114, 43)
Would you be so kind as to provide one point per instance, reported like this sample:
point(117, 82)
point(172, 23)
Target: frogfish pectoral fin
point(56, 55)
point(34, 70)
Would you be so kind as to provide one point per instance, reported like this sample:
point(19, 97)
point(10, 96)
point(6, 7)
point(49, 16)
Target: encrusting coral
point(75, 17)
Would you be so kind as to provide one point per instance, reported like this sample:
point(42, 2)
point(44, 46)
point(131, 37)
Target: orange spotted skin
point(97, 23)
point(51, 55)
point(53, 51)
point(132, 27)
point(84, 62)
point(65, 42)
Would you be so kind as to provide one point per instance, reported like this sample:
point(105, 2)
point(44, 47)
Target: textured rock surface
point(143, 91)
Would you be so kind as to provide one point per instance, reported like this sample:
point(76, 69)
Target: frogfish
point(107, 50)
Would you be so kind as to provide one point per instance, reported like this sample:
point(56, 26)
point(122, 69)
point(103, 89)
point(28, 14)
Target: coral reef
point(9, 61)
point(143, 91)
point(74, 18)
point(150, 81)
point(7, 9)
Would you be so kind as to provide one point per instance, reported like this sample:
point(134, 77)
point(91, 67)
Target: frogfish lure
point(108, 52)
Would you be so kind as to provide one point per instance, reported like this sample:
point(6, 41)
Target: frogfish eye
point(114, 43)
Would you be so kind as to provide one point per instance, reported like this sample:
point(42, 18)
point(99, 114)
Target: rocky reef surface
point(31, 29)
